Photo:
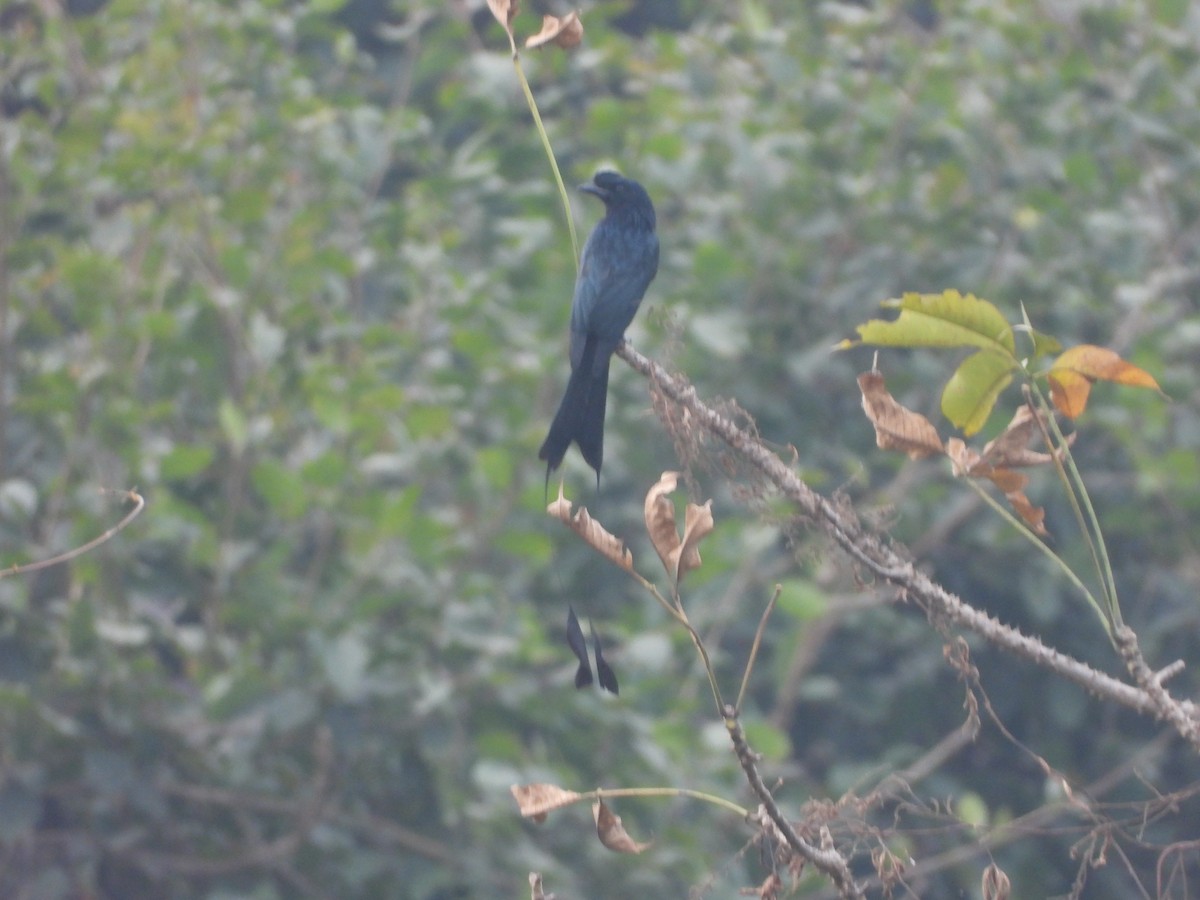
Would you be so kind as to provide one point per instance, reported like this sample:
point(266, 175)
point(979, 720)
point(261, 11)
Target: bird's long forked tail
point(580, 417)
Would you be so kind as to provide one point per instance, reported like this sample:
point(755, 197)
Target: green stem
point(1041, 545)
point(541, 130)
point(758, 634)
point(1081, 506)
point(669, 792)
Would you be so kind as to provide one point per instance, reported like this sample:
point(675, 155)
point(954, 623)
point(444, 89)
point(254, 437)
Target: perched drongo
point(620, 259)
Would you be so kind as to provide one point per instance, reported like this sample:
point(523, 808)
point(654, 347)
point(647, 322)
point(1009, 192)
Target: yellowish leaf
point(1069, 391)
point(1073, 373)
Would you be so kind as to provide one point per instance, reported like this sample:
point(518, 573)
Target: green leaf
point(768, 740)
point(280, 487)
point(326, 471)
point(496, 466)
point(1170, 12)
point(1044, 344)
point(233, 425)
point(185, 460)
point(802, 599)
point(972, 809)
point(948, 319)
point(970, 394)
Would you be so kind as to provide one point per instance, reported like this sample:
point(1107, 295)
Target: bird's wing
point(613, 277)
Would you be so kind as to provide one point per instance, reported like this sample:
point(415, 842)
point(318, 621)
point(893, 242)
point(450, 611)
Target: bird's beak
point(594, 190)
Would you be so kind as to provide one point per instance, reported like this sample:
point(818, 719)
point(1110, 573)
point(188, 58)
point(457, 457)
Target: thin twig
point(762, 626)
point(133, 496)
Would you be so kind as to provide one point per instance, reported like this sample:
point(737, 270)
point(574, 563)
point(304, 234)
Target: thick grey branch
point(878, 556)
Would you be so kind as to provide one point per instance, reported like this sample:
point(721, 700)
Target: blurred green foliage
point(298, 273)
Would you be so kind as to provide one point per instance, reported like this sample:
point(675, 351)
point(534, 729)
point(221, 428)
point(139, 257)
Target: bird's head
point(621, 195)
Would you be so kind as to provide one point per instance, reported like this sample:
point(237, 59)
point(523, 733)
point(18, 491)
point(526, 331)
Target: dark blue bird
point(620, 259)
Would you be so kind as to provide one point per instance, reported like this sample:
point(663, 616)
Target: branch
point(306, 812)
point(825, 858)
point(878, 556)
point(138, 501)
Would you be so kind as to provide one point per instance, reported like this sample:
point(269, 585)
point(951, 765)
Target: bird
point(619, 260)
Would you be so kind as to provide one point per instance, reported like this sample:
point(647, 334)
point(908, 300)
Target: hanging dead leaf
point(896, 428)
point(770, 889)
point(996, 885)
point(1034, 516)
point(602, 541)
point(536, 892)
point(962, 458)
point(660, 517)
point(1077, 369)
point(565, 32)
point(1014, 439)
point(1008, 480)
point(698, 523)
point(964, 461)
point(504, 12)
point(560, 507)
point(679, 556)
point(535, 801)
point(611, 832)
point(1011, 446)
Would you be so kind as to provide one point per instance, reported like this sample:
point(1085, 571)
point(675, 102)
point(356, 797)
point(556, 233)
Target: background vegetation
point(297, 271)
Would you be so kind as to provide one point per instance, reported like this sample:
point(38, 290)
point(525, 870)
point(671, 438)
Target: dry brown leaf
point(602, 541)
point(536, 800)
point(965, 461)
point(1034, 516)
point(565, 32)
point(770, 889)
point(896, 428)
point(611, 832)
point(996, 885)
point(536, 891)
point(1011, 447)
point(679, 555)
point(1014, 439)
point(560, 507)
point(660, 518)
point(698, 524)
point(504, 12)
point(1009, 481)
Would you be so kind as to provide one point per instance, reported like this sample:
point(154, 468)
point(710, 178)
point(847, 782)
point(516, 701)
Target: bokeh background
point(298, 272)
